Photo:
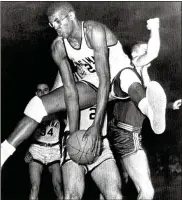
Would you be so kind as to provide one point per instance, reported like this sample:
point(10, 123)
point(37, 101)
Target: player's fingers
point(148, 26)
point(179, 102)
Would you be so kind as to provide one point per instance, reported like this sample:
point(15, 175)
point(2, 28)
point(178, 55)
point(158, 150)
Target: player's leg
point(107, 178)
point(151, 101)
point(137, 168)
point(55, 171)
point(35, 171)
point(101, 197)
point(74, 180)
point(38, 108)
point(126, 145)
point(50, 103)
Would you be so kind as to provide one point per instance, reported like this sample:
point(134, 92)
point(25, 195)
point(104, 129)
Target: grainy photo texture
point(91, 100)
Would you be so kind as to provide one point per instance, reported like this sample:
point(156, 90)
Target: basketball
point(80, 150)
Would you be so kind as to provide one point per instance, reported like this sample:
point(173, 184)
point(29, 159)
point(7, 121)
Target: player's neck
point(76, 35)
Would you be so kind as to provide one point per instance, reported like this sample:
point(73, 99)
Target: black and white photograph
point(91, 100)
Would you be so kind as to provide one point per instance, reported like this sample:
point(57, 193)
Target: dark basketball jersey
point(125, 110)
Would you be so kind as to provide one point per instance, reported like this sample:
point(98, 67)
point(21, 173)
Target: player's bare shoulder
point(58, 45)
point(58, 42)
point(97, 27)
point(90, 26)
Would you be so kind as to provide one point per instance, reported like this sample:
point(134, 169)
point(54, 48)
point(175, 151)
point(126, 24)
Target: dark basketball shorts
point(124, 142)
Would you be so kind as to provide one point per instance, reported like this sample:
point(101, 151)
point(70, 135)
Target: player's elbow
point(155, 54)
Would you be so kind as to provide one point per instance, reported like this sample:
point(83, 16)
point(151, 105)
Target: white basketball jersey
point(84, 61)
point(48, 131)
point(87, 117)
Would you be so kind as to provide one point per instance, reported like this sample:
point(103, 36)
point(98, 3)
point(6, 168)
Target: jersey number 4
point(50, 132)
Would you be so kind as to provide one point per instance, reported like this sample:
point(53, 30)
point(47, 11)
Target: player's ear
point(72, 15)
point(36, 94)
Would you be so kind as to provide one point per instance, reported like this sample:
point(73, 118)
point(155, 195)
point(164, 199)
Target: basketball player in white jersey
point(45, 151)
point(103, 171)
point(98, 57)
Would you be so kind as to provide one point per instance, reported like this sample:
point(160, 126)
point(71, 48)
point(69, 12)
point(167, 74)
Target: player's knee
point(73, 191)
point(136, 92)
point(35, 188)
point(73, 195)
point(146, 193)
point(127, 78)
point(35, 109)
point(57, 187)
point(113, 194)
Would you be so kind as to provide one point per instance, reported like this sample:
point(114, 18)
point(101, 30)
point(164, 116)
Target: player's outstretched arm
point(153, 45)
point(70, 90)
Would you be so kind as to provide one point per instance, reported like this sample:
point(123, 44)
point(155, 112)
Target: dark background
point(26, 61)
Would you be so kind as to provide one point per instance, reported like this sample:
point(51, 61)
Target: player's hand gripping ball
point(79, 149)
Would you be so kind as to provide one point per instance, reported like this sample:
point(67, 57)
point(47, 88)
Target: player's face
point(142, 49)
point(61, 23)
point(42, 89)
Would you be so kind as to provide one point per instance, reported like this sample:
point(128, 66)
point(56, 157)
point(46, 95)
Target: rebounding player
point(98, 57)
point(103, 171)
point(125, 128)
point(45, 151)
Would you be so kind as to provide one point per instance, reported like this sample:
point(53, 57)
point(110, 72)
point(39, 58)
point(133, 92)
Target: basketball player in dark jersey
point(125, 127)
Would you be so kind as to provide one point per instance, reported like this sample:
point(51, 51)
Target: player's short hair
point(42, 83)
point(63, 6)
point(137, 45)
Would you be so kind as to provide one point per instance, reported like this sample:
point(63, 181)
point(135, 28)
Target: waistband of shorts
point(46, 144)
point(125, 126)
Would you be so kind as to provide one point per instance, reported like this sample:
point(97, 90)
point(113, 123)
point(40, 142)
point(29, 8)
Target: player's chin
point(61, 34)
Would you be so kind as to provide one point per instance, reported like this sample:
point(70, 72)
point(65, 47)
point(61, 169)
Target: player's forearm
point(72, 104)
point(154, 44)
point(102, 98)
point(145, 75)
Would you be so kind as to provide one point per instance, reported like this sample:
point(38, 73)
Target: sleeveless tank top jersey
point(87, 117)
point(48, 132)
point(126, 111)
point(83, 59)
